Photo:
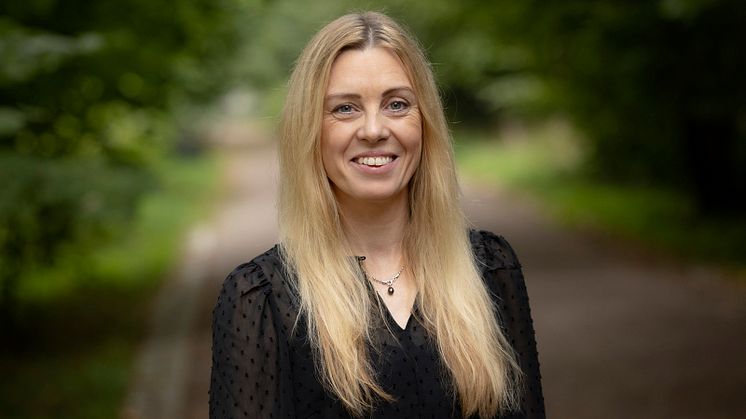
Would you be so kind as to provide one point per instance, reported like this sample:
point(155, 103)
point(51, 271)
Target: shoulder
point(500, 270)
point(258, 290)
point(263, 274)
point(492, 251)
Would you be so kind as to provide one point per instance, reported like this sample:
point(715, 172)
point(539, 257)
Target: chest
point(407, 365)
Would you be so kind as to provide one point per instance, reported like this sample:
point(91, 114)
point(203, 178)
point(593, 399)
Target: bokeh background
point(137, 168)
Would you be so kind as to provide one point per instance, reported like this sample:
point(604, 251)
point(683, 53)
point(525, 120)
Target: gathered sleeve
point(251, 375)
point(504, 277)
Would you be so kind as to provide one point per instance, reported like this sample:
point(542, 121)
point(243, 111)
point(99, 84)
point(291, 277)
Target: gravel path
point(620, 335)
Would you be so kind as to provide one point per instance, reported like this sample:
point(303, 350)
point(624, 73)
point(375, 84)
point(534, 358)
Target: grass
point(546, 162)
point(73, 355)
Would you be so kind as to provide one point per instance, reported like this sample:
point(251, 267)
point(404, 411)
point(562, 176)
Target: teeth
point(374, 161)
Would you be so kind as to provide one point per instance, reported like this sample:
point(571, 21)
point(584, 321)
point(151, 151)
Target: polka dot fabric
point(263, 368)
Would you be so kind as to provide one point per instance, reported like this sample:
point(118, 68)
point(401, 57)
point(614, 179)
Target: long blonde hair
point(454, 304)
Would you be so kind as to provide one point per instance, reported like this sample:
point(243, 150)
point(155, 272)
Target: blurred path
point(172, 375)
point(620, 336)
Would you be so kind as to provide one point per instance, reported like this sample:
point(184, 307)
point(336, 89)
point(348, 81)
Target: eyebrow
point(387, 92)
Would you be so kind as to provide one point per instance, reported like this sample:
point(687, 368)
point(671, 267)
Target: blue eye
point(398, 105)
point(345, 109)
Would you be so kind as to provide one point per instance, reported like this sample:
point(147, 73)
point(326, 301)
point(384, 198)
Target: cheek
point(327, 156)
point(414, 146)
point(417, 157)
point(326, 143)
point(413, 139)
point(332, 150)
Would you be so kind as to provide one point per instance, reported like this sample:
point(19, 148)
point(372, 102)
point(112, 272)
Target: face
point(371, 138)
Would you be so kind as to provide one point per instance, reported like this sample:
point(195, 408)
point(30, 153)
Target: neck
point(376, 229)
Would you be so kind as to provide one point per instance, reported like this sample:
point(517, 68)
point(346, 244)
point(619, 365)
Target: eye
point(398, 105)
point(344, 109)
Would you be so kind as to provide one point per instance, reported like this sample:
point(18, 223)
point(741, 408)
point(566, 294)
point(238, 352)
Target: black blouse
point(261, 368)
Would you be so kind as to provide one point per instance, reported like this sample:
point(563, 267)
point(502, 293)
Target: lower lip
point(375, 170)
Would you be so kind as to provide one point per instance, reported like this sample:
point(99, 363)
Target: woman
point(379, 302)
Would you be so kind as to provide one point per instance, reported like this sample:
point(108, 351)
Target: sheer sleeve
point(504, 277)
point(250, 355)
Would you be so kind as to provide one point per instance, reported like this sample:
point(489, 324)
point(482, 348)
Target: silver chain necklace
point(389, 282)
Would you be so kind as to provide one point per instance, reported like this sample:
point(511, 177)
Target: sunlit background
point(605, 139)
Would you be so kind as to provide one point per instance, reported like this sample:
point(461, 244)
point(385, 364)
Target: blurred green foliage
point(83, 318)
point(92, 97)
point(657, 88)
point(545, 161)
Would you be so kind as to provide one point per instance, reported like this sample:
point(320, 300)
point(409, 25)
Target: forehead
point(357, 70)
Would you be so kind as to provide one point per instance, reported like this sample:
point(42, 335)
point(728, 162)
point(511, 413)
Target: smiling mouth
point(374, 161)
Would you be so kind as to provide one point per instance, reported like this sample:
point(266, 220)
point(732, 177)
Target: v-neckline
point(390, 317)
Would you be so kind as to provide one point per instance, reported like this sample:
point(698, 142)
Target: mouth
point(374, 161)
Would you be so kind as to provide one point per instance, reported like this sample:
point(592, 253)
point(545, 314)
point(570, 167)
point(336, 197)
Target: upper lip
point(375, 153)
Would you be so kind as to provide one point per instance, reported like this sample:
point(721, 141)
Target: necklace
point(389, 282)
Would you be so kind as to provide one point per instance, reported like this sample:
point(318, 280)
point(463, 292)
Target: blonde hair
point(453, 302)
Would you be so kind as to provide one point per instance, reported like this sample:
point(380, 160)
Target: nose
point(374, 127)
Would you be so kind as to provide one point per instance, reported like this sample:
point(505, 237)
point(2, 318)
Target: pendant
point(391, 290)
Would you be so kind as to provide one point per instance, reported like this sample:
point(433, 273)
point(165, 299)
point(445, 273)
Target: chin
point(377, 195)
